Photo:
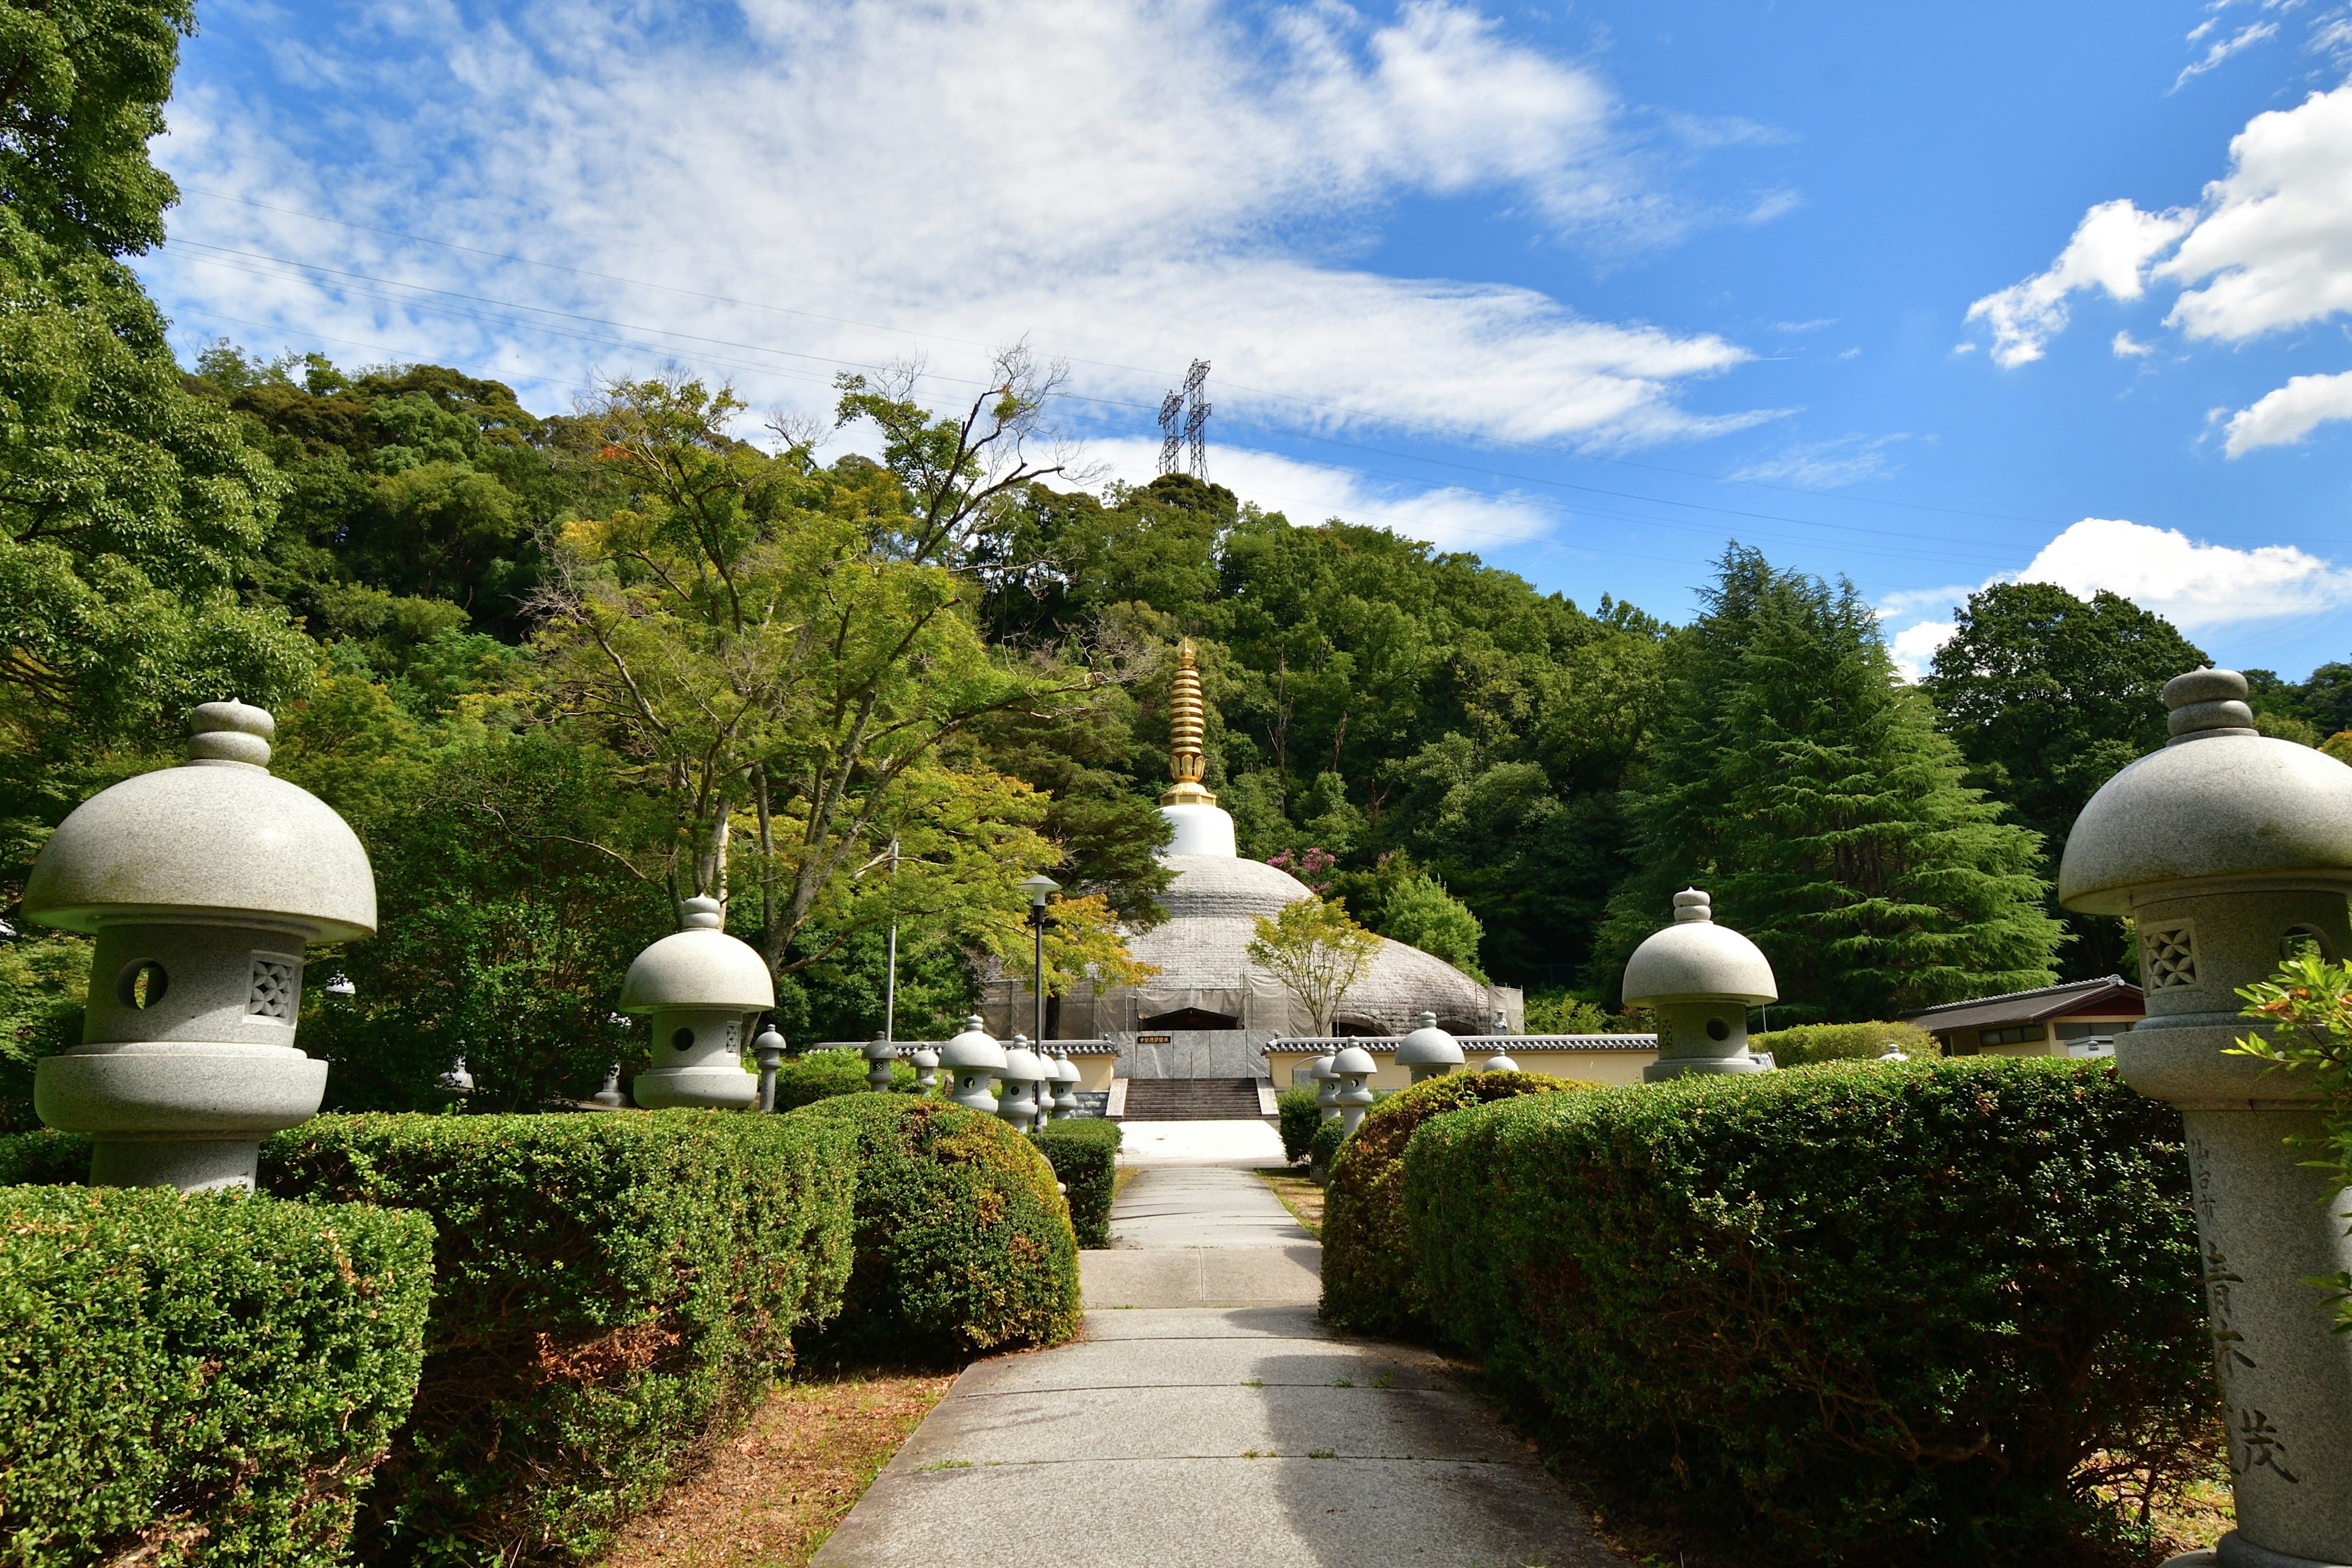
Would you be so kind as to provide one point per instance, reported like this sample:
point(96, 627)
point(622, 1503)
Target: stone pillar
point(1354, 1067)
point(203, 884)
point(1701, 978)
point(702, 987)
point(768, 1050)
point(973, 1060)
point(2230, 851)
point(1428, 1051)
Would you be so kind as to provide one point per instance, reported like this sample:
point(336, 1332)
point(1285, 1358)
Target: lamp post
point(1038, 887)
point(891, 979)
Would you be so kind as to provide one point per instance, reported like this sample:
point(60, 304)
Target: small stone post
point(1355, 1066)
point(201, 884)
point(1701, 977)
point(973, 1060)
point(702, 987)
point(1326, 1086)
point(2231, 850)
point(879, 1055)
point(1429, 1051)
point(768, 1050)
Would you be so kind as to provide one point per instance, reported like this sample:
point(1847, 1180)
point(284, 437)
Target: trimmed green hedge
point(1860, 1312)
point(1808, 1044)
point(1324, 1147)
point(614, 1292)
point(962, 1244)
point(1367, 1259)
point(208, 1379)
point(1299, 1114)
point(1084, 1153)
point(44, 1159)
point(820, 1075)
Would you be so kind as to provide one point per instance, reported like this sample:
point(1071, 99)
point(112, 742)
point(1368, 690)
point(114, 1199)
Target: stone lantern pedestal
point(1701, 978)
point(1428, 1051)
point(2230, 851)
point(201, 884)
point(703, 987)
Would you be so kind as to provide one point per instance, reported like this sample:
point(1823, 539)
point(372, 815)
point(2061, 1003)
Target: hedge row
point(208, 1379)
point(1883, 1313)
point(613, 1292)
point(1084, 1153)
point(1808, 1044)
point(822, 1075)
point(1368, 1271)
point(1299, 1113)
point(962, 1244)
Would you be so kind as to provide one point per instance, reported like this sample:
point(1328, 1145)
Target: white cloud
point(1915, 647)
point(1129, 184)
point(2128, 347)
point(1310, 493)
point(2273, 247)
point(2221, 50)
point(2194, 585)
point(1825, 464)
point(2288, 414)
point(2111, 249)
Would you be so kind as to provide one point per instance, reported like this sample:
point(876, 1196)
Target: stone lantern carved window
point(2168, 955)
point(2296, 941)
point(276, 979)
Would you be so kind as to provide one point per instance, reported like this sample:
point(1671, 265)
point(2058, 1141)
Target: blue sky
point(1926, 296)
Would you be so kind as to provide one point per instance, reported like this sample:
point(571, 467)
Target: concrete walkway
point(1207, 1420)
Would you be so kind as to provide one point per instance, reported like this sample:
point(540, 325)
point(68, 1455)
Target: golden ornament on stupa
point(1187, 726)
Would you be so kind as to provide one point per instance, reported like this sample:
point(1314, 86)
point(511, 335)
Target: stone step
point(1192, 1100)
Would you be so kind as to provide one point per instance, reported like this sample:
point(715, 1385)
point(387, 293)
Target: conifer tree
point(1797, 779)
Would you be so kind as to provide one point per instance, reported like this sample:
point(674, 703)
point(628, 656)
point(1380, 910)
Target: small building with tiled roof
point(2052, 1021)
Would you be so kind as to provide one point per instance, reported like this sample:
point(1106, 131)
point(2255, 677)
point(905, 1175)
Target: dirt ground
point(1302, 1197)
point(772, 1496)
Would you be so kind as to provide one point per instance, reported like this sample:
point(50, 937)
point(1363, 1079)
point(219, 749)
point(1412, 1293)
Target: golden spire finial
point(1187, 725)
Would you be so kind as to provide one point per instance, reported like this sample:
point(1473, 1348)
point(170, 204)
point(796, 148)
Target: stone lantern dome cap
point(1064, 1070)
point(1428, 1046)
point(700, 967)
point(1697, 959)
point(1020, 1063)
point(974, 1047)
point(1354, 1059)
point(2219, 802)
point(216, 835)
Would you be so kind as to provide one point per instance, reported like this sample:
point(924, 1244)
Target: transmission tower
point(1172, 411)
point(1196, 418)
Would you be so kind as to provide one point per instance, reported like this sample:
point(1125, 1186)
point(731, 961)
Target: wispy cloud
point(840, 184)
point(1825, 464)
point(2220, 49)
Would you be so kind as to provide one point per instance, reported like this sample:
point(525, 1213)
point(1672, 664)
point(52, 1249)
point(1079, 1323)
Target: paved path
point(1207, 1420)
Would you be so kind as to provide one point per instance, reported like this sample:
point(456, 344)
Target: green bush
point(820, 1075)
point(1299, 1114)
point(1882, 1313)
point(1367, 1282)
point(44, 1159)
point(1324, 1147)
point(1809, 1043)
point(1084, 1153)
point(962, 1244)
point(207, 1379)
point(613, 1292)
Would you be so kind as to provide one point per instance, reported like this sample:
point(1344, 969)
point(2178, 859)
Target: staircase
point(1193, 1100)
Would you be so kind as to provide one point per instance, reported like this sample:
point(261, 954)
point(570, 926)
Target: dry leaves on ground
point(770, 1495)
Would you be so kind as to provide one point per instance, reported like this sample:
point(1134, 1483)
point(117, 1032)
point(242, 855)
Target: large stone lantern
point(1065, 1084)
point(2231, 850)
point(203, 884)
point(1701, 978)
point(973, 1060)
point(1429, 1051)
point(1021, 1073)
point(703, 988)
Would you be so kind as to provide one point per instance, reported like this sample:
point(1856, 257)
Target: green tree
point(1316, 952)
point(2048, 696)
point(1423, 914)
point(1805, 788)
point(83, 95)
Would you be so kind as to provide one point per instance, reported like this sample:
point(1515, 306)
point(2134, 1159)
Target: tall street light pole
point(890, 984)
point(1037, 888)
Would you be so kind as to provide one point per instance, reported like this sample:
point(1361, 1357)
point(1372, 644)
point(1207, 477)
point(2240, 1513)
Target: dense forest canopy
point(562, 672)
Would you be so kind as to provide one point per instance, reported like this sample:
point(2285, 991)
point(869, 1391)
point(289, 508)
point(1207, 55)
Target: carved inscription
point(2255, 1442)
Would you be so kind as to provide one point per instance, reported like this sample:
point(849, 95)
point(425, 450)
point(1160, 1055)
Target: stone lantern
point(927, 1067)
point(702, 987)
point(456, 1083)
point(768, 1050)
point(1501, 1060)
point(201, 884)
point(1065, 1084)
point(879, 1055)
point(2230, 851)
point(609, 1097)
point(1701, 978)
point(1354, 1067)
point(1429, 1051)
point(1021, 1072)
point(1327, 1089)
point(974, 1060)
